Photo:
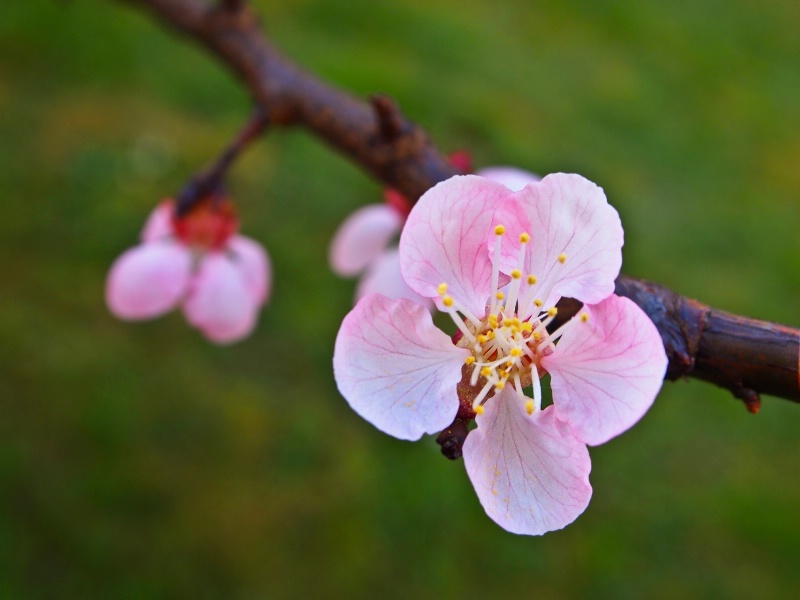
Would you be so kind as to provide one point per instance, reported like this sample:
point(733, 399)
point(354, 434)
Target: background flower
point(220, 278)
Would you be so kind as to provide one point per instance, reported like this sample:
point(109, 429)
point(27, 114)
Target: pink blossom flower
point(219, 278)
point(497, 261)
point(363, 243)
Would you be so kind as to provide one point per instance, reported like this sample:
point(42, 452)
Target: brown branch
point(746, 356)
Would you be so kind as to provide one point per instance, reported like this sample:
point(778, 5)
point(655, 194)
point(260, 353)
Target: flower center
point(208, 225)
point(507, 344)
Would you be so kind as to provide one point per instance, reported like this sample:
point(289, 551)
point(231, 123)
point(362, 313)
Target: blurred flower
point(362, 245)
point(198, 261)
point(497, 262)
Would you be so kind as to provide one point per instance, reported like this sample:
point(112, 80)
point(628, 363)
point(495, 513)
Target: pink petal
point(148, 280)
point(383, 277)
point(362, 237)
point(255, 266)
point(511, 177)
point(396, 369)
point(444, 240)
point(606, 372)
point(220, 303)
point(569, 214)
point(530, 474)
point(159, 224)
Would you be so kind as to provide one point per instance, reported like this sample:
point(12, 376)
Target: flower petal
point(362, 237)
point(530, 474)
point(220, 304)
point(148, 280)
point(159, 224)
point(513, 178)
point(396, 369)
point(254, 264)
point(444, 240)
point(606, 372)
point(568, 214)
point(383, 277)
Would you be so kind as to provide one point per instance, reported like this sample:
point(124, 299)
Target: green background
point(140, 461)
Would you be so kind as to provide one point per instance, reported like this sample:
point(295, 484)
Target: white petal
point(531, 475)
point(396, 369)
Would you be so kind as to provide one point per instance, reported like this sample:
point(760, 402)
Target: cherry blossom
point(364, 242)
point(197, 261)
point(497, 261)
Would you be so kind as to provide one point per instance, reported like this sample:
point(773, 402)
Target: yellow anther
point(516, 352)
point(516, 273)
point(538, 302)
point(486, 371)
point(526, 326)
point(562, 258)
point(493, 321)
point(499, 230)
point(442, 289)
point(552, 312)
point(515, 322)
point(584, 317)
point(447, 301)
point(482, 339)
point(537, 336)
point(532, 279)
point(509, 364)
point(479, 410)
point(490, 335)
point(529, 407)
point(469, 360)
point(499, 385)
point(524, 238)
point(500, 295)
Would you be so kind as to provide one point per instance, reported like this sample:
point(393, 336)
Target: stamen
point(469, 360)
point(458, 321)
point(537, 388)
point(479, 410)
point(562, 258)
point(529, 407)
point(481, 395)
point(442, 289)
point(498, 233)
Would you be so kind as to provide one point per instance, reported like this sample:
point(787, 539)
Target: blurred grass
point(138, 461)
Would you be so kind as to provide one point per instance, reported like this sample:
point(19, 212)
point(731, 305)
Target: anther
point(538, 302)
point(500, 295)
point(516, 273)
point(469, 360)
point(562, 258)
point(524, 238)
point(486, 371)
point(532, 279)
point(447, 301)
point(584, 317)
point(442, 289)
point(499, 230)
point(552, 312)
point(529, 407)
point(516, 352)
point(479, 410)
point(499, 385)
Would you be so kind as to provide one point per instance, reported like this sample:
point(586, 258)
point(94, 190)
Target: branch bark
point(746, 356)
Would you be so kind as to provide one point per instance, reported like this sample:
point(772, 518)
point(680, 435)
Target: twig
point(211, 178)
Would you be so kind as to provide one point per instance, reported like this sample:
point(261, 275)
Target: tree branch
point(746, 356)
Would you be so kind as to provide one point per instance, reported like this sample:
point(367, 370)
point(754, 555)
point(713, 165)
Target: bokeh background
point(140, 461)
